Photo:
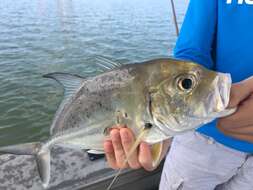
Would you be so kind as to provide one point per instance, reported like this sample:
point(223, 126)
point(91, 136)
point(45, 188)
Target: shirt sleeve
point(197, 34)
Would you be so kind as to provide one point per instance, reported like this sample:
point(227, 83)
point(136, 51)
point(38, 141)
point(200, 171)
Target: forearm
point(245, 137)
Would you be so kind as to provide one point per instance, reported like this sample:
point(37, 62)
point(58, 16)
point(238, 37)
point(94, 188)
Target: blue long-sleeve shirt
point(219, 35)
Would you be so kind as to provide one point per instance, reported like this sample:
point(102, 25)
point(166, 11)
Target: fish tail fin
point(41, 153)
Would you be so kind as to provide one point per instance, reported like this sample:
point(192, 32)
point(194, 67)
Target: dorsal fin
point(106, 64)
point(71, 83)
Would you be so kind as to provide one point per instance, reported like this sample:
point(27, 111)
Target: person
point(219, 35)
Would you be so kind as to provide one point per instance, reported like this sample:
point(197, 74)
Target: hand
point(119, 145)
point(240, 124)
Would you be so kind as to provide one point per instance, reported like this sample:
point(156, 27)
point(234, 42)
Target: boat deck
point(71, 169)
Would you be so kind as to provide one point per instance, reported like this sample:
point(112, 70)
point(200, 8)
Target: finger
point(240, 91)
point(110, 155)
point(118, 149)
point(109, 129)
point(127, 138)
point(145, 157)
point(242, 117)
point(237, 94)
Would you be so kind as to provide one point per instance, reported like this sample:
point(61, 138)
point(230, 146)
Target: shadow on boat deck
point(129, 180)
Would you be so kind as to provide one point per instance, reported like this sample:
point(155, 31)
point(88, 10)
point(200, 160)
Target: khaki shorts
point(197, 162)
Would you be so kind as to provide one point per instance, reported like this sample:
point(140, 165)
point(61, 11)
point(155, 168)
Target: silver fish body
point(172, 96)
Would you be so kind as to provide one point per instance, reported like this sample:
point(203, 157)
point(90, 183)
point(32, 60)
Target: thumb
point(145, 156)
point(240, 91)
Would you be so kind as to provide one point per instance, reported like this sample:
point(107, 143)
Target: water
point(43, 36)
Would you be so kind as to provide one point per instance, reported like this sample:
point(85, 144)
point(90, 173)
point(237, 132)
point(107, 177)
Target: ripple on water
point(38, 37)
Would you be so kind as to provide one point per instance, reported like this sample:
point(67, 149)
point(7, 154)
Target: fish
point(157, 99)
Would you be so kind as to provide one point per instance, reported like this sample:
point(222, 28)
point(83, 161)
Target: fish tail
point(133, 148)
point(41, 153)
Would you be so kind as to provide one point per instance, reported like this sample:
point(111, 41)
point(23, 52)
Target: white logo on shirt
point(240, 2)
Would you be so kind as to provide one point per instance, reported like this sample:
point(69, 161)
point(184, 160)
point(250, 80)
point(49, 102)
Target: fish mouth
point(221, 96)
point(222, 86)
point(215, 104)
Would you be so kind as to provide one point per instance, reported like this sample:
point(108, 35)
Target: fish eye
point(186, 83)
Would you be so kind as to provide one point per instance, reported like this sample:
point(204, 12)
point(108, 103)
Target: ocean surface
point(43, 36)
